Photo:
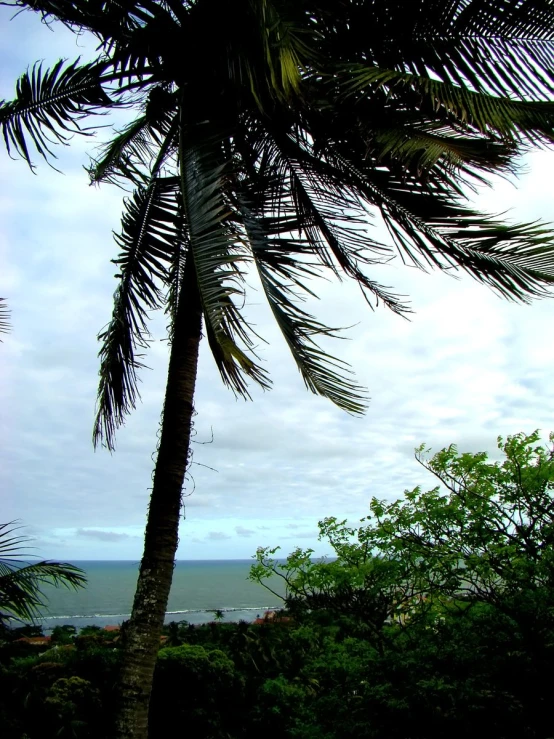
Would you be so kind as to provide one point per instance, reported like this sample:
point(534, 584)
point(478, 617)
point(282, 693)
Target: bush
point(199, 688)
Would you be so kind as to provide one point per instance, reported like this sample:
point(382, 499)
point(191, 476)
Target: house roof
point(34, 640)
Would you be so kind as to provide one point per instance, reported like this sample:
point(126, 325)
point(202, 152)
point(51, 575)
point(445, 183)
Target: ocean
point(198, 588)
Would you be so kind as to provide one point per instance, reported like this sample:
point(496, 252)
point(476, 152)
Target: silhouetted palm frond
point(148, 241)
point(49, 106)
point(5, 324)
point(21, 581)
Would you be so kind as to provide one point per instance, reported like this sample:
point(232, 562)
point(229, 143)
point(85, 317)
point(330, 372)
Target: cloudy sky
point(467, 368)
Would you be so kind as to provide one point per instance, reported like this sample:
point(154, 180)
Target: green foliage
point(434, 619)
point(21, 582)
point(62, 691)
point(464, 574)
point(203, 676)
point(63, 634)
point(488, 537)
point(75, 702)
point(27, 630)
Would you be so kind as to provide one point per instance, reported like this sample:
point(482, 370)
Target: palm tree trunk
point(141, 638)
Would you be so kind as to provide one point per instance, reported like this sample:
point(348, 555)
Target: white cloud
point(102, 535)
point(467, 367)
point(217, 536)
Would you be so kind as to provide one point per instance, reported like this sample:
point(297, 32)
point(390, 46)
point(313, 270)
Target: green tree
point(21, 582)
point(63, 634)
point(487, 537)
point(356, 585)
point(486, 534)
point(75, 703)
point(454, 589)
point(211, 685)
point(265, 132)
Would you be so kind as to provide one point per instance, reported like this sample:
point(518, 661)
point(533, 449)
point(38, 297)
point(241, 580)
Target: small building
point(270, 617)
point(36, 641)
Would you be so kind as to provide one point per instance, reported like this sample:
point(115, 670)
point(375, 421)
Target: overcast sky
point(467, 368)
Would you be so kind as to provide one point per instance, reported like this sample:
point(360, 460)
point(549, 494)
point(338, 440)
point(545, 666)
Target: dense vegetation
point(435, 619)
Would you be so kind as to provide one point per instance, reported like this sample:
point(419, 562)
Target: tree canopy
point(265, 136)
point(483, 536)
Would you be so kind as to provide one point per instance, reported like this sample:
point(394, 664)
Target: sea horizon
point(199, 588)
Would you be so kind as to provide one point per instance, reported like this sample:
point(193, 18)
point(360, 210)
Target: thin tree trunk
point(141, 638)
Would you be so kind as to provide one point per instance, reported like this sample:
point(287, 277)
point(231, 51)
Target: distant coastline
point(199, 588)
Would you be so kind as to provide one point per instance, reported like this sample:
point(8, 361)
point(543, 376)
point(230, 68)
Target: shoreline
point(196, 617)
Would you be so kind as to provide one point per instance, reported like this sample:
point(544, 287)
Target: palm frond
point(429, 227)
point(282, 273)
point(516, 260)
point(505, 48)
point(176, 271)
point(500, 47)
point(514, 121)
point(10, 541)
point(217, 264)
point(421, 151)
point(5, 324)
point(20, 582)
point(147, 241)
point(114, 19)
point(49, 105)
point(20, 586)
point(284, 52)
point(332, 218)
point(138, 152)
point(119, 158)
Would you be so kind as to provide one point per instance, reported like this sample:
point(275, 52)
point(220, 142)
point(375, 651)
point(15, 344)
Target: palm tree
point(4, 317)
point(219, 615)
point(21, 581)
point(265, 133)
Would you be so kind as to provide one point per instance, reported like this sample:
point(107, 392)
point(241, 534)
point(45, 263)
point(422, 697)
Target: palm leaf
point(282, 274)
point(514, 121)
point(284, 52)
point(423, 150)
point(20, 582)
point(20, 586)
point(500, 47)
point(114, 19)
point(176, 270)
point(217, 261)
point(507, 49)
point(138, 151)
point(148, 240)
point(516, 260)
point(331, 217)
point(49, 105)
point(121, 158)
point(5, 325)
